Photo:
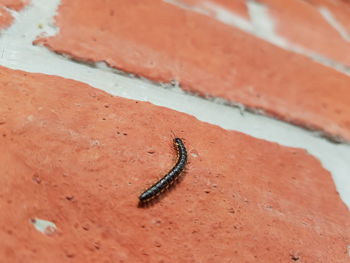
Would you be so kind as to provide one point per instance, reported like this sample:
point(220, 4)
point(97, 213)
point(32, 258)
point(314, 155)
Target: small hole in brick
point(97, 245)
point(36, 179)
point(157, 244)
point(69, 197)
point(294, 257)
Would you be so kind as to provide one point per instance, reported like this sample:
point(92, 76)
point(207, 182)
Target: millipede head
point(177, 141)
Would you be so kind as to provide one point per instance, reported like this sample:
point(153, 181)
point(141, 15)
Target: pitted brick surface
point(301, 23)
point(79, 157)
point(162, 42)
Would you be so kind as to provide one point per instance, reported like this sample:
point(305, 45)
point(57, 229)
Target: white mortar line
point(19, 53)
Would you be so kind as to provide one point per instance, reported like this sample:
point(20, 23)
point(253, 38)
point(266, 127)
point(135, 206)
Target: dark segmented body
point(170, 177)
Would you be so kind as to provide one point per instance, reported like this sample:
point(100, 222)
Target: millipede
point(170, 177)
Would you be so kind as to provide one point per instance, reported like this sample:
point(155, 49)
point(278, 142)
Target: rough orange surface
point(162, 42)
point(302, 23)
point(6, 18)
point(14, 4)
point(238, 6)
point(79, 157)
point(339, 9)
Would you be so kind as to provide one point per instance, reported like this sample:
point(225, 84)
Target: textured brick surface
point(14, 4)
point(79, 157)
point(302, 23)
point(5, 17)
point(339, 9)
point(163, 42)
point(238, 7)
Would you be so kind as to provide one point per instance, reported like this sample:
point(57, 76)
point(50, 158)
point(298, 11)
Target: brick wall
point(93, 93)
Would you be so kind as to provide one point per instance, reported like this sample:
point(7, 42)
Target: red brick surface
point(5, 17)
point(302, 23)
point(79, 157)
point(14, 4)
point(163, 42)
point(339, 9)
point(238, 7)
